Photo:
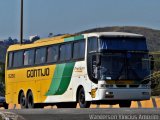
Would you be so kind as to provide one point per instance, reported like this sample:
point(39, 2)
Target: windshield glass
point(122, 43)
point(124, 66)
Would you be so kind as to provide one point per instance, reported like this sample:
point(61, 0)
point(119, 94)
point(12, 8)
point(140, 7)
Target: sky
point(42, 17)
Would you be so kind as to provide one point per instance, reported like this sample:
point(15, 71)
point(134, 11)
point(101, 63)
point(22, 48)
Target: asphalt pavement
point(81, 114)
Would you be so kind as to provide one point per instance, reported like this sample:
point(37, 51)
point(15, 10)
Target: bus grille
point(127, 86)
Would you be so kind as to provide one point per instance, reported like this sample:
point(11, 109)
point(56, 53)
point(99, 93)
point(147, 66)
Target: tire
point(30, 100)
point(81, 99)
point(22, 100)
point(126, 104)
point(67, 105)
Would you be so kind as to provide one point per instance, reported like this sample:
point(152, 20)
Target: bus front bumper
point(123, 94)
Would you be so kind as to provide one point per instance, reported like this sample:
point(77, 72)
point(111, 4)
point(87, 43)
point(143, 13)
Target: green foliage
point(156, 84)
point(156, 62)
point(156, 76)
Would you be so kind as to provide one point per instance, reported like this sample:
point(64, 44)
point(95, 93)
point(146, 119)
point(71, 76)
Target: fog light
point(109, 95)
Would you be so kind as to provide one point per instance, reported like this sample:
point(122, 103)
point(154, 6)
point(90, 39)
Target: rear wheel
point(81, 99)
point(125, 104)
point(30, 100)
point(22, 100)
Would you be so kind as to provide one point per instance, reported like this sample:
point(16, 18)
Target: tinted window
point(79, 50)
point(65, 52)
point(92, 44)
point(18, 59)
point(40, 56)
point(122, 43)
point(29, 57)
point(52, 54)
point(10, 58)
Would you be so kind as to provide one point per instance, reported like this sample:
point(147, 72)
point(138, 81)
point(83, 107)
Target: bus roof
point(41, 42)
point(60, 39)
point(113, 34)
point(53, 38)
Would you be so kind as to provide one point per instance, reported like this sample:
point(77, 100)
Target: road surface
point(81, 114)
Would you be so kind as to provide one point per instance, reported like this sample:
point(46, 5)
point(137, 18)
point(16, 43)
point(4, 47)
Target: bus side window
point(52, 54)
point(29, 57)
point(92, 44)
point(10, 59)
point(65, 52)
point(40, 55)
point(79, 50)
point(18, 59)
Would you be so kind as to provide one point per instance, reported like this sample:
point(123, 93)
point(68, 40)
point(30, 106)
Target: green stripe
point(66, 78)
point(62, 75)
point(74, 38)
point(56, 79)
point(61, 79)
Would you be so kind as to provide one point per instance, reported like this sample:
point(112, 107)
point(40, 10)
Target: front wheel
point(123, 104)
point(81, 99)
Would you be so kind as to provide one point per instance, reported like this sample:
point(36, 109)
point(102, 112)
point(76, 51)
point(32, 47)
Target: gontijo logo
point(38, 72)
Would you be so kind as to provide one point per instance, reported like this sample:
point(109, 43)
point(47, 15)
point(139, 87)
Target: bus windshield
point(123, 43)
point(124, 66)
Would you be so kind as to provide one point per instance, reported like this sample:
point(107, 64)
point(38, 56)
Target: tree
point(50, 35)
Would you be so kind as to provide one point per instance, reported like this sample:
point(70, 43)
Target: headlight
point(106, 86)
point(146, 86)
point(103, 85)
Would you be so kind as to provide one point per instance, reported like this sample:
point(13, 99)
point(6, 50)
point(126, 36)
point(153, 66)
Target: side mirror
point(98, 60)
point(151, 62)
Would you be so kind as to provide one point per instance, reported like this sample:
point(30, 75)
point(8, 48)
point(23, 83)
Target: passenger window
point(40, 56)
point(10, 58)
point(29, 57)
point(18, 59)
point(52, 54)
point(65, 52)
point(79, 50)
